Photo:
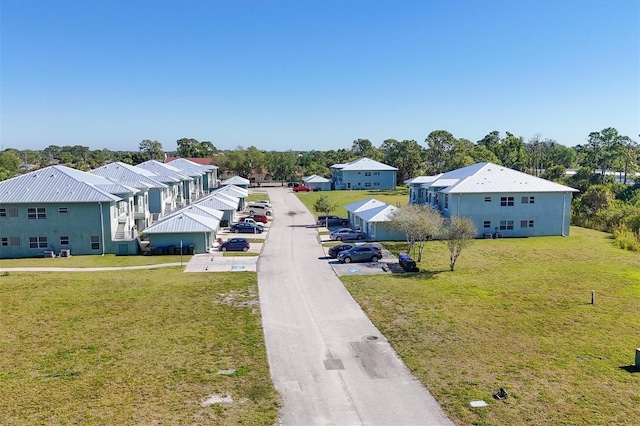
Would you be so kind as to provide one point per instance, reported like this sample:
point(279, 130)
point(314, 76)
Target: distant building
point(363, 173)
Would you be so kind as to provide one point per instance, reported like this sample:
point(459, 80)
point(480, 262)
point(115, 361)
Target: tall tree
point(9, 164)
point(407, 156)
point(364, 148)
point(440, 145)
point(281, 165)
point(188, 147)
point(419, 222)
point(152, 150)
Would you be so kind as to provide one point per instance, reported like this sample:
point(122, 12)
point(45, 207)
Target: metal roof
point(164, 170)
point(189, 167)
point(378, 214)
point(234, 190)
point(59, 184)
point(217, 202)
point(236, 180)
point(316, 179)
point(135, 176)
point(492, 178)
point(183, 223)
point(422, 179)
point(364, 163)
point(363, 205)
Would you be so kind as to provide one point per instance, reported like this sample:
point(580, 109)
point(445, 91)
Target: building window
point(506, 225)
point(376, 173)
point(532, 200)
point(506, 201)
point(446, 201)
point(4, 242)
point(95, 242)
point(13, 212)
point(14, 241)
point(367, 173)
point(367, 184)
point(528, 200)
point(486, 224)
point(526, 224)
point(38, 242)
point(36, 213)
point(64, 241)
point(487, 199)
point(530, 224)
point(3, 212)
point(376, 183)
point(63, 210)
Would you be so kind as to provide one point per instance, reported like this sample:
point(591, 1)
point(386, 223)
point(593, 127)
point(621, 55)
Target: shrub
point(626, 239)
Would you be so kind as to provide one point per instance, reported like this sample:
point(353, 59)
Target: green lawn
point(343, 198)
point(94, 261)
point(516, 313)
point(132, 347)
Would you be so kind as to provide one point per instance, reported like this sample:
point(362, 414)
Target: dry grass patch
point(133, 347)
point(516, 313)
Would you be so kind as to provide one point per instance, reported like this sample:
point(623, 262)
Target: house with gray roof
point(317, 183)
point(58, 209)
point(363, 173)
point(190, 227)
point(177, 181)
point(502, 202)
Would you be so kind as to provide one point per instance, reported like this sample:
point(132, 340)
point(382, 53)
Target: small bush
point(626, 239)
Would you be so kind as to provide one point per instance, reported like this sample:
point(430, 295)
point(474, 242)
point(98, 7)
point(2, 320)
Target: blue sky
point(306, 74)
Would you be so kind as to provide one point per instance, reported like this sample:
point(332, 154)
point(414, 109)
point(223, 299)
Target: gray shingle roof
point(59, 184)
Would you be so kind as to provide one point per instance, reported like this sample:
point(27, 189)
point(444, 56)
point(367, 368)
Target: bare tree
point(419, 222)
point(457, 233)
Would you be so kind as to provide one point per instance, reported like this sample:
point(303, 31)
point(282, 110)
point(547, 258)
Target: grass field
point(132, 347)
point(94, 261)
point(343, 198)
point(516, 313)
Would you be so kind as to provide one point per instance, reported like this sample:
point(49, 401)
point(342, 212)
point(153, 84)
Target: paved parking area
point(387, 265)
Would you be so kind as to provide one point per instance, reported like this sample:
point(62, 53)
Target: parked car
point(363, 253)
point(246, 228)
point(347, 234)
point(235, 244)
point(254, 209)
point(249, 220)
point(256, 217)
point(301, 188)
point(333, 251)
point(332, 220)
point(293, 184)
point(263, 202)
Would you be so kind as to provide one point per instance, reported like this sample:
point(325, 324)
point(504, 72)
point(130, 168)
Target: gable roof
point(315, 179)
point(488, 177)
point(363, 163)
point(233, 190)
point(422, 179)
point(164, 172)
point(189, 167)
point(363, 205)
point(183, 223)
point(130, 175)
point(60, 184)
point(198, 210)
point(236, 180)
point(378, 214)
point(217, 202)
point(203, 161)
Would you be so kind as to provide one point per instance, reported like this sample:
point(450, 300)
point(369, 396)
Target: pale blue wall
point(352, 179)
point(550, 212)
point(80, 223)
point(201, 241)
point(379, 231)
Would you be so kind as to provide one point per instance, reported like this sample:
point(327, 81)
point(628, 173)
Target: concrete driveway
point(331, 365)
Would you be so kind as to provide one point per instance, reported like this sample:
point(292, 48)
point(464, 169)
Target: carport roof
point(183, 223)
point(378, 214)
point(363, 205)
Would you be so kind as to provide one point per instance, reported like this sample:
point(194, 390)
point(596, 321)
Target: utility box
point(65, 253)
point(49, 253)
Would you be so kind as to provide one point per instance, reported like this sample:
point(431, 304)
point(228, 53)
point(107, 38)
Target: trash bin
point(192, 249)
point(407, 263)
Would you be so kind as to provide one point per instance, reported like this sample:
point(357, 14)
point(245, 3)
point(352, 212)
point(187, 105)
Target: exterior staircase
point(120, 231)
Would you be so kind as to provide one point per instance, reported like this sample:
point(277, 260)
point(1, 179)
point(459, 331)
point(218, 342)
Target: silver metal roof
point(236, 180)
point(135, 176)
point(184, 223)
point(164, 170)
point(364, 163)
point(378, 214)
point(59, 184)
point(316, 179)
point(363, 205)
point(492, 178)
point(189, 167)
point(199, 210)
point(233, 190)
point(217, 203)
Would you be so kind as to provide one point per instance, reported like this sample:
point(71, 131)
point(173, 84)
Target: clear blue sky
point(314, 74)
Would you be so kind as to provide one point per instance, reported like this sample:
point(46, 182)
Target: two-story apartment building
point(363, 173)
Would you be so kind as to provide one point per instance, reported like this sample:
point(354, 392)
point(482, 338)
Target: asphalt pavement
point(331, 365)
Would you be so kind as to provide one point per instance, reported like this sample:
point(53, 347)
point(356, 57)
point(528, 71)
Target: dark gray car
point(332, 220)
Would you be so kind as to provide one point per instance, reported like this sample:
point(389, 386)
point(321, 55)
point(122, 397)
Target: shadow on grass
point(421, 275)
point(630, 368)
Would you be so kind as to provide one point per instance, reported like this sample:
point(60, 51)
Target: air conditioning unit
point(49, 253)
point(499, 235)
point(65, 253)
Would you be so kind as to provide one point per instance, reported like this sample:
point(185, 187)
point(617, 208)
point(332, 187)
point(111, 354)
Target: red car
point(301, 188)
point(257, 217)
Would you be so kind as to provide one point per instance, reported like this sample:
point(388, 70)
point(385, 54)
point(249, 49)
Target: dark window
point(486, 224)
point(506, 201)
point(506, 225)
point(38, 242)
point(95, 242)
point(64, 241)
point(367, 173)
point(63, 210)
point(36, 213)
point(446, 201)
point(3, 212)
point(487, 199)
point(5, 242)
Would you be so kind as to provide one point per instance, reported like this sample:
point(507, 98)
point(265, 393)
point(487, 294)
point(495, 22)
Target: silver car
point(347, 234)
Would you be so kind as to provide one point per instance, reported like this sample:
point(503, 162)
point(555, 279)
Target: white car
point(263, 202)
point(259, 209)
